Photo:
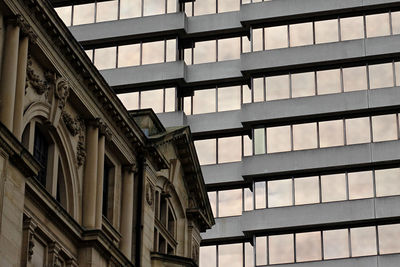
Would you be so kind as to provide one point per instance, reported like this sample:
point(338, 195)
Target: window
point(328, 82)
point(308, 246)
point(258, 89)
point(278, 139)
point(305, 136)
point(301, 34)
point(326, 31)
point(65, 13)
point(257, 39)
point(107, 194)
point(105, 58)
point(381, 75)
point(229, 49)
point(280, 193)
point(259, 141)
point(384, 128)
point(205, 52)
point(230, 255)
point(352, 28)
point(377, 25)
point(277, 87)
point(228, 5)
point(130, 8)
point(130, 100)
point(281, 249)
point(333, 187)
point(128, 55)
point(387, 182)
point(204, 101)
point(303, 84)
point(260, 195)
point(389, 236)
point(206, 151)
point(261, 250)
point(336, 244)
point(331, 133)
point(229, 149)
point(153, 52)
point(360, 185)
point(153, 7)
point(208, 256)
point(355, 78)
point(204, 7)
point(40, 153)
point(395, 22)
point(363, 241)
point(357, 131)
point(228, 98)
point(83, 14)
point(212, 196)
point(106, 11)
point(306, 190)
point(276, 37)
point(229, 202)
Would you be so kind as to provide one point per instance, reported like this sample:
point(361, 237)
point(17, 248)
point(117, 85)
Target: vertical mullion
point(349, 240)
point(339, 30)
point(119, 10)
point(322, 246)
point(95, 11)
point(318, 137)
point(390, 22)
point(116, 56)
point(346, 175)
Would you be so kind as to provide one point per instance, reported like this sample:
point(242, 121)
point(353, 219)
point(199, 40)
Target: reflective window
point(277, 87)
point(357, 131)
point(246, 94)
point(228, 98)
point(387, 182)
point(203, 7)
point(205, 52)
point(229, 202)
point(377, 25)
point(281, 249)
point(170, 97)
point(261, 250)
point(153, 7)
point(305, 136)
point(248, 255)
point(260, 194)
point(328, 82)
point(129, 55)
point(83, 14)
point(105, 58)
point(352, 28)
point(208, 256)
point(276, 37)
point(247, 146)
point(204, 101)
point(361, 185)
point(248, 199)
point(65, 14)
point(278, 139)
point(171, 50)
point(326, 31)
point(257, 39)
point(188, 56)
point(384, 128)
point(363, 241)
point(389, 236)
point(130, 8)
point(246, 45)
point(152, 99)
point(258, 89)
point(228, 5)
point(259, 141)
point(381, 75)
point(153, 52)
point(336, 244)
point(397, 73)
point(171, 6)
point(212, 196)
point(228, 49)
point(308, 246)
point(230, 255)
point(130, 100)
point(331, 133)
point(333, 187)
point(301, 34)
point(303, 84)
point(355, 78)
point(206, 151)
point(306, 190)
point(106, 11)
point(280, 193)
point(229, 149)
point(395, 22)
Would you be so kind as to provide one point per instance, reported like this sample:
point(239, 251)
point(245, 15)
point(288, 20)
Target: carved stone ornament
point(149, 194)
point(104, 129)
point(62, 92)
point(73, 124)
point(81, 151)
point(33, 79)
point(195, 253)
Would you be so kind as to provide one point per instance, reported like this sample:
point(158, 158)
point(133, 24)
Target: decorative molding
point(54, 254)
point(29, 228)
point(81, 149)
point(73, 124)
point(62, 92)
point(149, 194)
point(131, 167)
point(33, 79)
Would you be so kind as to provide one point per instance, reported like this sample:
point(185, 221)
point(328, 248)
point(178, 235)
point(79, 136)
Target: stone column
point(127, 211)
point(90, 175)
point(20, 86)
point(9, 75)
point(100, 178)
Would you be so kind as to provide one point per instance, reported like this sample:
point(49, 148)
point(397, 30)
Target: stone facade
point(82, 181)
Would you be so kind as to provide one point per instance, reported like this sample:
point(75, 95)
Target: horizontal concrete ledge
point(299, 162)
point(306, 217)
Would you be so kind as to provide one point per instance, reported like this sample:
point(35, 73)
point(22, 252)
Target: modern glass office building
point(294, 106)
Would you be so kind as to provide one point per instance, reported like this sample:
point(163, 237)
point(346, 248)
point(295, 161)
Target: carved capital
point(54, 254)
point(131, 168)
point(29, 228)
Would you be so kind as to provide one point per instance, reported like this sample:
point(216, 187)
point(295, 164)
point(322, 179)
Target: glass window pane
point(280, 193)
point(153, 7)
point(357, 131)
point(245, 44)
point(204, 101)
point(387, 182)
point(306, 190)
point(152, 99)
point(228, 49)
point(205, 52)
point(130, 100)
point(249, 255)
point(277, 87)
point(333, 187)
point(257, 39)
point(396, 22)
point(153, 52)
point(208, 256)
point(389, 236)
point(65, 14)
point(187, 105)
point(281, 249)
point(247, 146)
point(248, 199)
point(276, 37)
point(397, 72)
point(83, 14)
point(130, 9)
point(381, 75)
point(308, 246)
point(188, 56)
point(278, 139)
point(258, 89)
point(229, 149)
point(230, 202)
point(246, 94)
point(377, 25)
point(355, 79)
point(171, 6)
point(189, 9)
point(106, 11)
point(326, 31)
point(89, 53)
point(259, 141)
point(352, 28)
point(203, 7)
point(230, 255)
point(331, 133)
point(228, 98)
point(303, 84)
point(336, 244)
point(305, 136)
point(361, 185)
point(206, 151)
point(328, 82)
point(212, 196)
point(260, 195)
point(105, 58)
point(170, 97)
point(301, 34)
point(363, 241)
point(261, 250)
point(228, 5)
point(129, 55)
point(171, 50)
point(384, 128)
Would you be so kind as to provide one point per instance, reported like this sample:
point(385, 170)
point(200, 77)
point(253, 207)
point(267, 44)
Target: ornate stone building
point(82, 181)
